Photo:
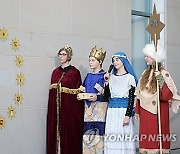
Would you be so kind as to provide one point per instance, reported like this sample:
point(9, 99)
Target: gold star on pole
point(3, 34)
point(15, 44)
point(18, 98)
point(19, 60)
point(2, 122)
point(11, 112)
point(154, 28)
point(155, 25)
point(20, 79)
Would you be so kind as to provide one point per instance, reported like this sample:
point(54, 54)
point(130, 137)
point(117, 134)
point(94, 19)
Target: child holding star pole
point(155, 92)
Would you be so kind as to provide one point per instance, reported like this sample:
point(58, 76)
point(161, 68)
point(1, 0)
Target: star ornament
point(19, 60)
point(11, 112)
point(2, 122)
point(18, 98)
point(20, 79)
point(3, 34)
point(155, 25)
point(15, 44)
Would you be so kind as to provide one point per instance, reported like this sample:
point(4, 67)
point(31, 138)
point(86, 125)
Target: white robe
point(118, 139)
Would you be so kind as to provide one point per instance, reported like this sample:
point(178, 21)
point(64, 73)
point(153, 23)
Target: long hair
point(148, 79)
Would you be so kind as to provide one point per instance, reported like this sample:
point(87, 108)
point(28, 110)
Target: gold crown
point(98, 53)
point(68, 48)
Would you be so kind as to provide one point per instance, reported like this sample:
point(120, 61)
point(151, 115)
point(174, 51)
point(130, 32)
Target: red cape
point(71, 114)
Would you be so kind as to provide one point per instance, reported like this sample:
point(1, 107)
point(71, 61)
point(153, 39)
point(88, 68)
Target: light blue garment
point(118, 103)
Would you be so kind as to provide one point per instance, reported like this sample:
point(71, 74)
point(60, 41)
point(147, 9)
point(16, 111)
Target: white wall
point(42, 27)
point(172, 42)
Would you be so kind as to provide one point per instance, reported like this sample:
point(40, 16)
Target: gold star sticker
point(20, 79)
point(19, 60)
point(155, 25)
point(11, 112)
point(15, 44)
point(2, 122)
point(18, 98)
point(3, 34)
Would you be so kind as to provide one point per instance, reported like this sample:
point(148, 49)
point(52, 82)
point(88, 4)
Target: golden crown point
point(98, 53)
point(68, 48)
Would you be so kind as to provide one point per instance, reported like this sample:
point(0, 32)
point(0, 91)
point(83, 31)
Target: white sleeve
point(132, 81)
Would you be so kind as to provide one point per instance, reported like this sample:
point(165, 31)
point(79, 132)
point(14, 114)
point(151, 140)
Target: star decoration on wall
point(18, 98)
point(3, 34)
point(11, 112)
point(20, 79)
point(2, 122)
point(15, 44)
point(155, 25)
point(19, 60)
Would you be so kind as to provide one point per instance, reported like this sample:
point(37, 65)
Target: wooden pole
point(158, 102)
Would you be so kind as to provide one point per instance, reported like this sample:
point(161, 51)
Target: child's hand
point(93, 98)
point(126, 121)
point(136, 117)
point(78, 97)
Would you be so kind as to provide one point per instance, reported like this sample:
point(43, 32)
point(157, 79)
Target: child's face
point(117, 63)
point(93, 63)
point(149, 60)
point(62, 57)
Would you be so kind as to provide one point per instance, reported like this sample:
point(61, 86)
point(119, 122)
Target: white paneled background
point(43, 27)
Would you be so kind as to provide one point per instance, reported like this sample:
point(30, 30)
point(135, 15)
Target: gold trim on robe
point(65, 90)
